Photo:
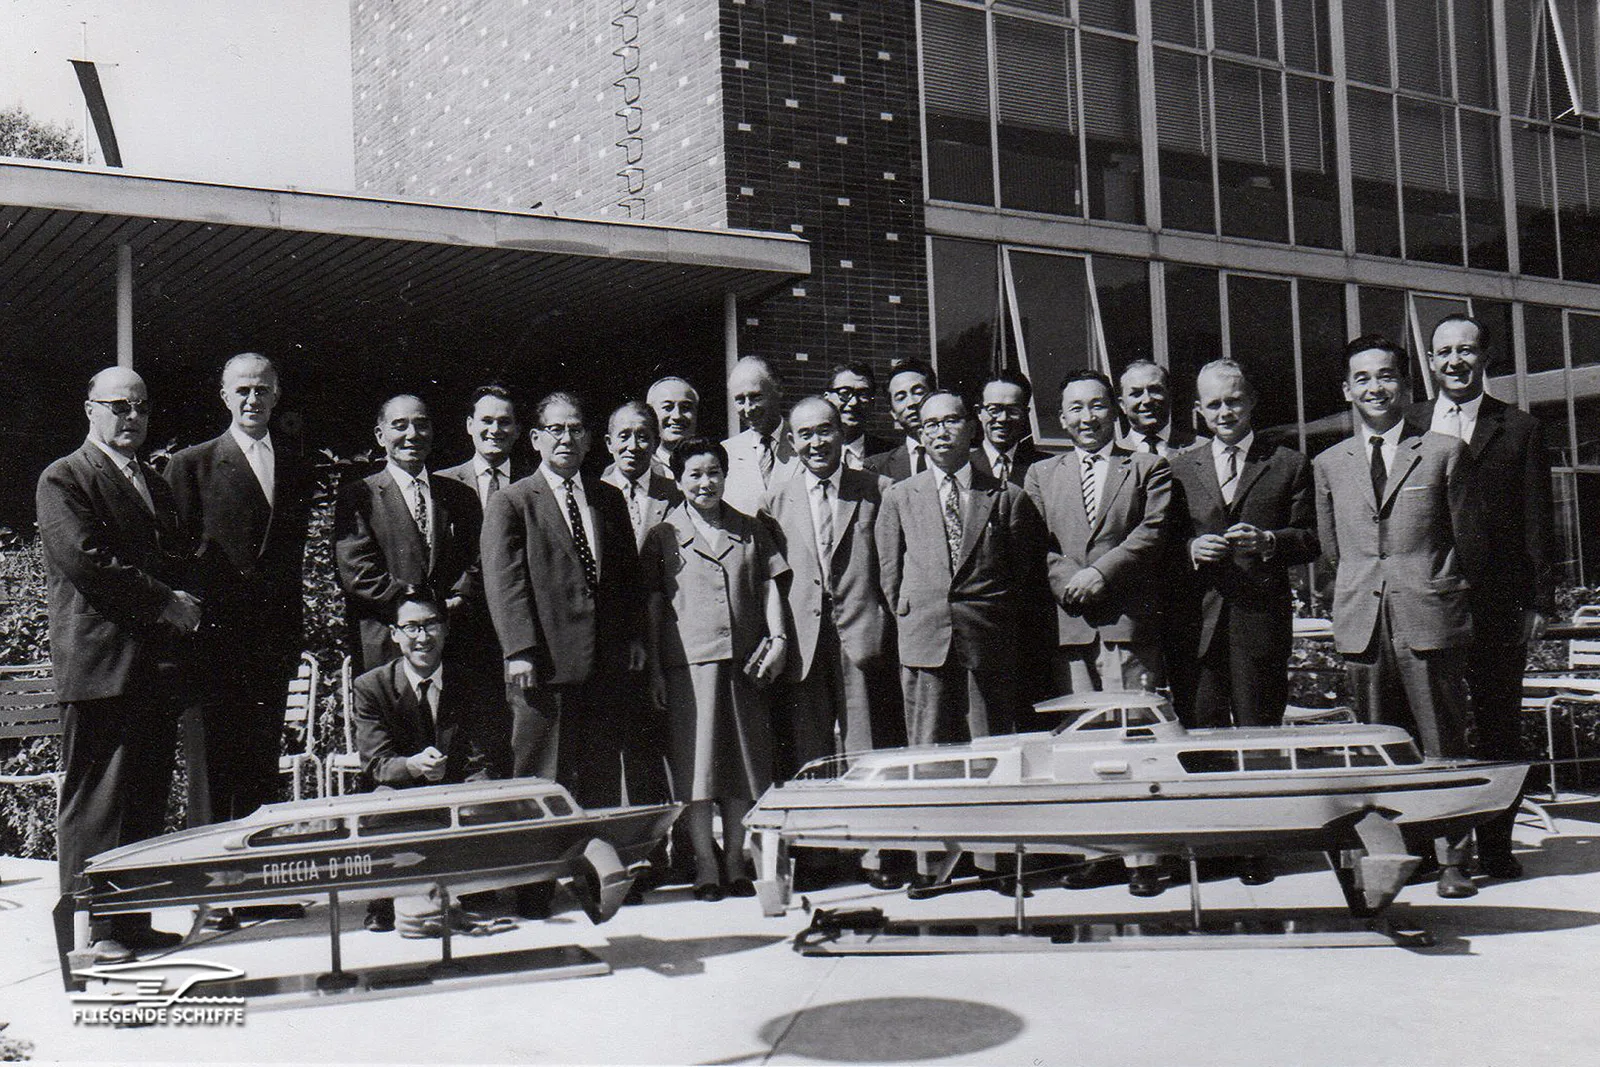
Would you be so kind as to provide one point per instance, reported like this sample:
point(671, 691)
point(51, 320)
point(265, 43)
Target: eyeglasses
point(569, 430)
point(848, 394)
point(1004, 411)
point(423, 626)
point(121, 407)
point(952, 423)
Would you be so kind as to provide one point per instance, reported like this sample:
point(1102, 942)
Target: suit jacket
point(1179, 437)
point(464, 473)
point(110, 568)
point(1503, 522)
point(872, 445)
point(1023, 456)
point(251, 550)
point(969, 612)
point(1274, 494)
point(379, 552)
point(534, 583)
point(392, 724)
point(1399, 552)
point(744, 488)
point(895, 464)
point(1129, 542)
point(846, 585)
point(659, 498)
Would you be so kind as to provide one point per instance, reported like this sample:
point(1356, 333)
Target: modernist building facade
point(1050, 183)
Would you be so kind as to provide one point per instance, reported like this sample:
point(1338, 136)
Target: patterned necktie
point(1230, 481)
point(1002, 467)
point(135, 478)
point(824, 515)
point(1380, 471)
point(1452, 421)
point(634, 514)
point(419, 510)
point(1152, 443)
point(494, 484)
point(1091, 489)
point(950, 497)
point(580, 540)
point(767, 459)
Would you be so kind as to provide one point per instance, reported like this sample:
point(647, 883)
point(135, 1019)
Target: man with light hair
point(760, 455)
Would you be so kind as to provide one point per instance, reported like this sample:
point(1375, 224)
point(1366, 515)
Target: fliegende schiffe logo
point(155, 993)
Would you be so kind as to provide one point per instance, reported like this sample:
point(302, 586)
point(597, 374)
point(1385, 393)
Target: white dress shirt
point(814, 498)
point(435, 687)
point(1102, 464)
point(130, 469)
point(410, 488)
point(1134, 441)
point(480, 475)
point(1455, 420)
point(1219, 456)
point(855, 453)
point(558, 486)
point(259, 455)
point(913, 446)
point(1391, 444)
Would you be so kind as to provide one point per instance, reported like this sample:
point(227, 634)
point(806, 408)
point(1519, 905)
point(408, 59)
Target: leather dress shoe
point(1256, 870)
point(1506, 866)
point(1454, 883)
point(709, 892)
point(263, 912)
point(378, 922)
point(922, 881)
point(1146, 882)
point(740, 887)
point(881, 879)
point(221, 920)
point(1092, 874)
point(110, 950)
point(148, 939)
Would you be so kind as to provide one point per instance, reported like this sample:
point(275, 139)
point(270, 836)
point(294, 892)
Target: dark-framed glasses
point(420, 627)
point(951, 423)
point(570, 430)
point(1004, 411)
point(122, 407)
point(849, 394)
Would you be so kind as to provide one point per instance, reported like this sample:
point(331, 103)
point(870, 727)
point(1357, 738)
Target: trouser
point(232, 742)
point(1423, 691)
point(953, 703)
point(1101, 664)
point(862, 702)
point(575, 734)
point(1494, 679)
point(1238, 683)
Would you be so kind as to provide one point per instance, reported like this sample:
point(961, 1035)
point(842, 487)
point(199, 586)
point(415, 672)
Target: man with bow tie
point(114, 555)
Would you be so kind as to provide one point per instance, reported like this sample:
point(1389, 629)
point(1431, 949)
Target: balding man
point(760, 456)
point(113, 556)
point(677, 407)
point(243, 497)
point(1145, 396)
point(400, 528)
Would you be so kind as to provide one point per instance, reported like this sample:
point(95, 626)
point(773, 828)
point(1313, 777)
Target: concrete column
point(730, 349)
point(124, 306)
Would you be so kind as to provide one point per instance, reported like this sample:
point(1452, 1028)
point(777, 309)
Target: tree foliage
point(26, 138)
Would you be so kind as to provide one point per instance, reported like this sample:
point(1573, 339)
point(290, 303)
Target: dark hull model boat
point(469, 837)
point(1122, 777)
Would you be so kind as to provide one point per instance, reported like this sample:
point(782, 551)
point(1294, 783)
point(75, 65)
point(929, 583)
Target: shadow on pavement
point(674, 959)
point(891, 1030)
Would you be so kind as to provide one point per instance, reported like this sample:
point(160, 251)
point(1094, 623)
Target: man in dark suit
point(910, 383)
point(113, 557)
point(414, 720)
point(494, 430)
point(632, 436)
point(852, 390)
point(1146, 403)
point(399, 528)
point(1503, 543)
point(960, 556)
point(1250, 518)
point(1108, 515)
point(677, 407)
point(1007, 449)
point(1401, 617)
point(243, 497)
point(561, 572)
point(839, 673)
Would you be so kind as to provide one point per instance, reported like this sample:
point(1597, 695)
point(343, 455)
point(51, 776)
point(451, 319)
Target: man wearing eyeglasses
point(401, 527)
point(1007, 449)
point(114, 553)
point(853, 389)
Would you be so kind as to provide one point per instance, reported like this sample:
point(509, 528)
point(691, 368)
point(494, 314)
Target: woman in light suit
point(716, 641)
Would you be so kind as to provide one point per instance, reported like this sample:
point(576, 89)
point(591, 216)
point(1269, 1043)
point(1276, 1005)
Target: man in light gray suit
point(838, 670)
point(760, 456)
point(632, 436)
point(1400, 612)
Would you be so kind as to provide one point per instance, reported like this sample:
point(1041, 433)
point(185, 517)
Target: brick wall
point(512, 103)
point(822, 140)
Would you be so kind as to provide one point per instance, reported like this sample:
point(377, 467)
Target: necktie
point(1002, 467)
point(1091, 488)
point(494, 484)
point(260, 459)
point(580, 540)
point(1452, 421)
point(419, 511)
point(916, 460)
point(1230, 480)
point(1152, 444)
point(767, 460)
point(824, 516)
point(136, 476)
point(1380, 471)
point(634, 514)
point(423, 698)
point(950, 497)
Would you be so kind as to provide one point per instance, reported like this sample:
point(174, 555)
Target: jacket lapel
point(1491, 420)
point(236, 469)
point(1406, 458)
point(1255, 461)
point(549, 511)
point(1116, 475)
point(122, 489)
point(392, 502)
point(977, 504)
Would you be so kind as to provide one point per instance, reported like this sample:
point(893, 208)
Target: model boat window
point(1266, 759)
point(1143, 717)
point(417, 821)
point(1366, 756)
point(1109, 719)
point(499, 811)
point(1403, 754)
point(898, 773)
point(558, 806)
point(982, 768)
point(304, 832)
point(1209, 761)
point(1308, 759)
point(940, 769)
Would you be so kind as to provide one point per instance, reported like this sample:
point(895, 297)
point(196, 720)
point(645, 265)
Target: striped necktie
point(1091, 487)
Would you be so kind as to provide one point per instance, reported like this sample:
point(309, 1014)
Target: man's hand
point(1085, 586)
point(1209, 548)
point(1533, 624)
point(182, 611)
point(427, 764)
point(1251, 539)
point(519, 672)
point(637, 656)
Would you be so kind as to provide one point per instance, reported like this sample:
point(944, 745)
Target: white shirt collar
point(246, 442)
point(858, 447)
point(436, 678)
point(559, 484)
point(994, 453)
point(1391, 436)
point(963, 476)
point(1104, 451)
point(122, 462)
point(406, 480)
point(832, 480)
point(481, 466)
point(1219, 450)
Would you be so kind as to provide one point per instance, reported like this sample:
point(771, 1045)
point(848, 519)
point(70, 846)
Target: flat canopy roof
point(222, 251)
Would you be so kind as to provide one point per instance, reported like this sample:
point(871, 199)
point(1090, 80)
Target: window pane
point(1474, 52)
point(403, 822)
point(1261, 338)
point(1107, 14)
point(1182, 91)
point(1266, 759)
point(1422, 26)
point(939, 770)
point(1366, 41)
point(1248, 26)
point(1383, 311)
point(955, 90)
point(1038, 128)
point(1313, 157)
point(1578, 191)
point(1305, 35)
point(1480, 181)
point(1049, 7)
point(1541, 328)
point(1111, 129)
point(1250, 174)
point(303, 832)
point(1319, 758)
point(1429, 177)
point(1055, 325)
point(1178, 21)
point(1586, 420)
point(493, 812)
point(1588, 525)
point(1194, 332)
point(1372, 173)
point(1501, 368)
point(1536, 209)
point(1204, 762)
point(1583, 335)
point(1525, 68)
point(1322, 339)
point(1122, 287)
point(966, 305)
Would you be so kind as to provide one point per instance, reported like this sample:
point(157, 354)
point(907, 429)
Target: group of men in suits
point(926, 572)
